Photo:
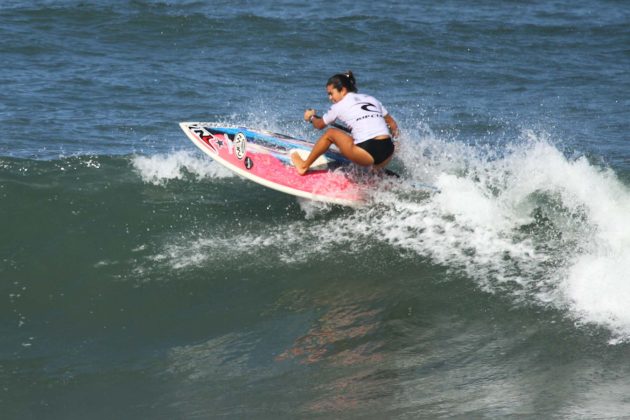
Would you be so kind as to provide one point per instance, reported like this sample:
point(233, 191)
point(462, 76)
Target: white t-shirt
point(362, 114)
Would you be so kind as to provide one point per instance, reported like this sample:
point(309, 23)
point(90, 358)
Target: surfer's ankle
point(301, 168)
point(299, 164)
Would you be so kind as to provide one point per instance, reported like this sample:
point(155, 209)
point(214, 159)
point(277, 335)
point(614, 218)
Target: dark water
point(138, 279)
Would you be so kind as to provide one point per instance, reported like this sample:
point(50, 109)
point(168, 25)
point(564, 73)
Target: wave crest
point(158, 169)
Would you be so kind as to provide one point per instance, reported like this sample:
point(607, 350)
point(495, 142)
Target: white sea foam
point(522, 220)
point(158, 169)
point(313, 208)
point(532, 223)
point(578, 261)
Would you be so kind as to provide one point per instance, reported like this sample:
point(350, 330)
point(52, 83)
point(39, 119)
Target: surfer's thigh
point(346, 146)
point(384, 163)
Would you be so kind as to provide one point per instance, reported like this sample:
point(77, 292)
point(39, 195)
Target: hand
point(308, 114)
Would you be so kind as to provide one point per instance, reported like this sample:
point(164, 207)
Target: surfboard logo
point(240, 145)
point(205, 136)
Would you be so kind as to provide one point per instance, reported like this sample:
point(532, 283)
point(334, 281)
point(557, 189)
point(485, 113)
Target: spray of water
point(520, 219)
point(161, 168)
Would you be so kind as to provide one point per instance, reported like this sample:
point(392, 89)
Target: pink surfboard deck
point(264, 157)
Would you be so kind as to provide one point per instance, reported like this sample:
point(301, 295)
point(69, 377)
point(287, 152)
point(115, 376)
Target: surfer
point(371, 127)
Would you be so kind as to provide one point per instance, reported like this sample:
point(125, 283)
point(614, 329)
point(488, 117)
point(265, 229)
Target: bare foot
point(298, 162)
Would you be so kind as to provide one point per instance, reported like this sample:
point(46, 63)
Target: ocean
point(141, 280)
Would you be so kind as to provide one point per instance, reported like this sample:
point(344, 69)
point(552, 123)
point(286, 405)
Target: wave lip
point(524, 220)
point(158, 169)
point(527, 221)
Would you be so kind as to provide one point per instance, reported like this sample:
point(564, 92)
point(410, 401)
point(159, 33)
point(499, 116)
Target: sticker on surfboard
point(240, 145)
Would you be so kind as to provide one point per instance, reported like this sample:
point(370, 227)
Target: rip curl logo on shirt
point(240, 144)
point(369, 107)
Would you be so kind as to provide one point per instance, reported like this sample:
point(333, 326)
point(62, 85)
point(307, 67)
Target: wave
point(521, 220)
point(160, 168)
point(524, 221)
point(547, 229)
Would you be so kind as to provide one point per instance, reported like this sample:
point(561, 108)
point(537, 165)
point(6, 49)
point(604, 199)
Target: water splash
point(520, 219)
point(550, 230)
point(158, 169)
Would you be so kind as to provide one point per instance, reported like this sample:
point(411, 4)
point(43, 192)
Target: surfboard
point(265, 158)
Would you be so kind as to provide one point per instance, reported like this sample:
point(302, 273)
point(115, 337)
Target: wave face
point(133, 266)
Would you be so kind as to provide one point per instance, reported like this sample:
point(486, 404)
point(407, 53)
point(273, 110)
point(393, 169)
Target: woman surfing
point(371, 127)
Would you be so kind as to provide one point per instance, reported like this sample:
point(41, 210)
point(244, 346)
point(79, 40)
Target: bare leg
point(384, 163)
point(344, 143)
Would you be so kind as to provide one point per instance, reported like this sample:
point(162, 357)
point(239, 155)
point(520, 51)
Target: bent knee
point(329, 135)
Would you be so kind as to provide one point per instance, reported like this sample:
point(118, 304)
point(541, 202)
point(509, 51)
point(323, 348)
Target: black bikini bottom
point(380, 150)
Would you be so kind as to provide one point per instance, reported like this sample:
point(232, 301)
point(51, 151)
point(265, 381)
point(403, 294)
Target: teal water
point(138, 279)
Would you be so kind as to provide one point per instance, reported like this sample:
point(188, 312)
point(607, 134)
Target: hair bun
point(341, 80)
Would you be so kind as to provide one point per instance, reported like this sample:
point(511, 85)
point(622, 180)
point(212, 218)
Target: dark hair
point(343, 80)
